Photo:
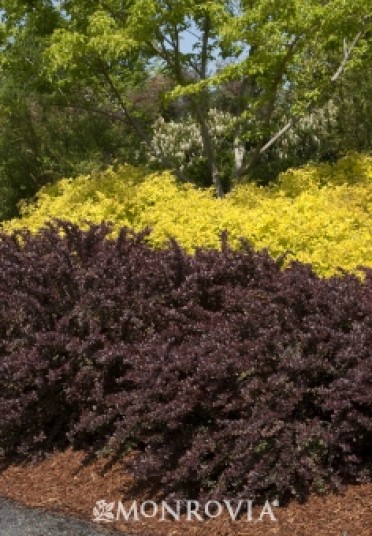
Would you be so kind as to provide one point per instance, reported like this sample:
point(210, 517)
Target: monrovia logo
point(194, 511)
point(103, 511)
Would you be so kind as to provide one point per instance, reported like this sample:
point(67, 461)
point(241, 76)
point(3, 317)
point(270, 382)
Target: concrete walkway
point(18, 520)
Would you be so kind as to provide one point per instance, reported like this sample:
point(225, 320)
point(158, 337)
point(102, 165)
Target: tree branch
point(269, 110)
point(260, 150)
point(276, 137)
point(200, 107)
point(105, 113)
point(138, 129)
point(204, 50)
point(347, 54)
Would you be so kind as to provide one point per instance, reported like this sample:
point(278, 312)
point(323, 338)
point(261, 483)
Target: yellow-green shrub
point(88, 198)
point(320, 214)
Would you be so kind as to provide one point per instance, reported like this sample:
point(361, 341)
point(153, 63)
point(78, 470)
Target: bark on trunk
point(211, 157)
point(239, 153)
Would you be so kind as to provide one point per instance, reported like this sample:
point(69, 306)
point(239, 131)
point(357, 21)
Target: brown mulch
point(62, 483)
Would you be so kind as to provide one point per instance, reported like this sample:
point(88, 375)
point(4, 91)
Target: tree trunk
point(239, 153)
point(210, 155)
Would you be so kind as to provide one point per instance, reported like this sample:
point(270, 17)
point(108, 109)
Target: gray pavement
point(18, 520)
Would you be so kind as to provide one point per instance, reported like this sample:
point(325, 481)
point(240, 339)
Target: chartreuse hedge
point(318, 214)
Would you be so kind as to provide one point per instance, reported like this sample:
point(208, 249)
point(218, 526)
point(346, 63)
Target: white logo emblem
point(102, 512)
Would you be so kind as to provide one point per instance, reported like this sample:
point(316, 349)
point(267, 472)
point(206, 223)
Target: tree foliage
point(46, 132)
point(269, 64)
point(284, 57)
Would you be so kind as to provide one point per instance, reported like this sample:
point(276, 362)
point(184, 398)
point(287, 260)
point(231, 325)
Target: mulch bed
point(63, 483)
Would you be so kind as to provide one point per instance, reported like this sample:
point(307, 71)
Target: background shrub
point(230, 376)
point(316, 214)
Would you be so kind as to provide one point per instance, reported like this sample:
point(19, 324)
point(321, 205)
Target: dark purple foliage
point(231, 377)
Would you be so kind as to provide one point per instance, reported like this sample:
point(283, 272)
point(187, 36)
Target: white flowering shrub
point(181, 141)
point(311, 132)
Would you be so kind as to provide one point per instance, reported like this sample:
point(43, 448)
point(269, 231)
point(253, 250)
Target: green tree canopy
point(283, 59)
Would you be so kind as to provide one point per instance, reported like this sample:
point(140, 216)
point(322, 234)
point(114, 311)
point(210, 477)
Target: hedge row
point(229, 376)
point(318, 214)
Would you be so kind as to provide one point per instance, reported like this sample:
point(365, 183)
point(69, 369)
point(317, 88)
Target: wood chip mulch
point(63, 483)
